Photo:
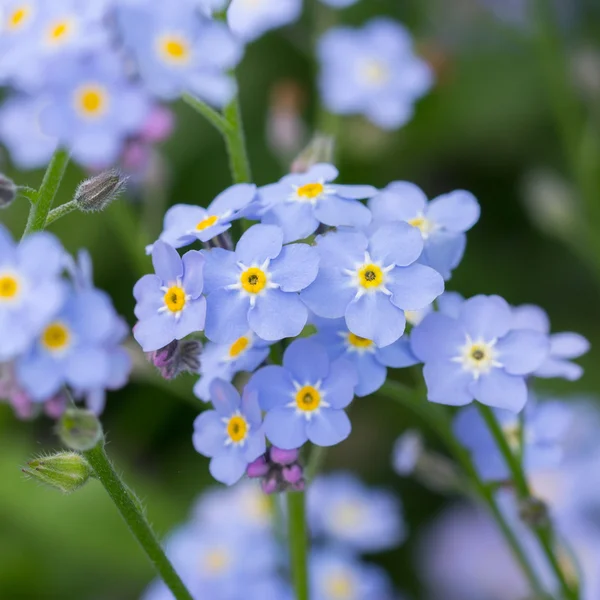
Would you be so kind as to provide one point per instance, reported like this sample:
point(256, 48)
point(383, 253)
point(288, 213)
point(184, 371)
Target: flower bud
point(279, 471)
point(257, 469)
point(292, 474)
point(65, 471)
point(96, 193)
point(319, 150)
point(534, 512)
point(176, 358)
point(79, 429)
point(8, 191)
point(283, 457)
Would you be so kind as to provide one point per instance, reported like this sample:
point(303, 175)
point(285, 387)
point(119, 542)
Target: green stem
point(218, 121)
point(236, 144)
point(542, 532)
point(135, 519)
point(38, 212)
point(298, 543)
point(434, 416)
point(61, 211)
point(315, 462)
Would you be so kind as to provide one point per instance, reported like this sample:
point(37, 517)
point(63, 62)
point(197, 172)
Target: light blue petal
point(224, 397)
point(226, 316)
point(307, 361)
point(338, 212)
point(7, 246)
point(183, 217)
point(220, 269)
point(529, 316)
point(568, 345)
point(414, 287)
point(255, 446)
point(355, 192)
point(284, 428)
point(92, 314)
point(486, 317)
point(501, 390)
point(87, 368)
point(166, 261)
point(374, 317)
point(447, 383)
point(396, 243)
point(251, 407)
point(192, 318)
point(522, 351)
point(41, 255)
point(193, 268)
point(296, 219)
point(329, 295)
point(209, 433)
point(44, 303)
point(259, 243)
point(397, 355)
point(16, 337)
point(371, 374)
point(228, 468)
point(234, 198)
point(295, 268)
point(457, 211)
point(40, 376)
point(399, 201)
point(342, 249)
point(555, 367)
point(155, 332)
point(149, 296)
point(443, 252)
point(340, 383)
point(277, 315)
point(437, 337)
point(324, 172)
point(449, 304)
point(329, 427)
point(273, 385)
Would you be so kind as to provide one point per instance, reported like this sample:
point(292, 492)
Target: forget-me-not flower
point(306, 397)
point(477, 355)
point(372, 280)
point(31, 291)
point(184, 223)
point(369, 360)
point(442, 222)
point(232, 434)
point(256, 287)
point(298, 203)
point(372, 71)
point(177, 50)
point(342, 509)
point(250, 19)
point(170, 304)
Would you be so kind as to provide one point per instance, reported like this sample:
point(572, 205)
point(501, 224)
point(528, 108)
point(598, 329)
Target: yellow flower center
point(9, 287)
point(237, 429)
point(206, 223)
point(359, 342)
point(18, 17)
point(56, 337)
point(58, 31)
point(238, 346)
point(374, 72)
point(216, 561)
point(174, 49)
point(175, 298)
point(347, 516)
point(310, 191)
point(339, 587)
point(370, 276)
point(91, 101)
point(478, 352)
point(422, 224)
point(253, 280)
point(308, 398)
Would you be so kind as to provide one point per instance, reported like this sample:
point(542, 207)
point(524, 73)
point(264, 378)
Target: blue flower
point(177, 50)
point(305, 398)
point(538, 437)
point(92, 107)
point(372, 280)
point(184, 223)
point(256, 287)
point(250, 19)
point(232, 434)
point(223, 361)
point(477, 356)
point(372, 71)
point(31, 292)
point(408, 449)
point(563, 346)
point(170, 304)
point(343, 510)
point(369, 361)
point(336, 574)
point(442, 222)
point(299, 202)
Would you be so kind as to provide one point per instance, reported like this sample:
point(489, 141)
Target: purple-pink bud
point(269, 486)
point(258, 468)
point(176, 358)
point(283, 457)
point(292, 474)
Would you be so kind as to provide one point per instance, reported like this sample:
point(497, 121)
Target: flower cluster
point(58, 333)
point(231, 538)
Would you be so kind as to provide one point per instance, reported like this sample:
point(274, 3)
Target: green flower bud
point(79, 429)
point(65, 471)
point(96, 193)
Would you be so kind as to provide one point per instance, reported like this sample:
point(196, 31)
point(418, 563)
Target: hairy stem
point(61, 211)
point(298, 543)
point(235, 141)
point(135, 519)
point(218, 121)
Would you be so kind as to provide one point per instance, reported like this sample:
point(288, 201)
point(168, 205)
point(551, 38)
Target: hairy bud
point(8, 191)
point(176, 358)
point(96, 193)
point(64, 471)
point(319, 150)
point(79, 429)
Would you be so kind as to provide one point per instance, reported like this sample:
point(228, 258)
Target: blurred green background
point(508, 93)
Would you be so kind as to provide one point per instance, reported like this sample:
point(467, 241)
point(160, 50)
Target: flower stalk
point(298, 541)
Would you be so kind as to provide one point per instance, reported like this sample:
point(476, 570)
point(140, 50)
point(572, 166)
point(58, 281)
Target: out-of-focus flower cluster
point(60, 334)
point(233, 547)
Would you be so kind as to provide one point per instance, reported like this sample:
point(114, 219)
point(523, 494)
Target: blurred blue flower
point(372, 280)
point(256, 287)
point(372, 71)
point(407, 450)
point(250, 19)
point(477, 355)
point(231, 435)
point(563, 346)
point(299, 202)
point(339, 3)
point(170, 304)
point(177, 50)
point(31, 292)
point(344, 511)
point(442, 222)
point(305, 398)
point(184, 223)
point(92, 108)
point(369, 361)
point(223, 361)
